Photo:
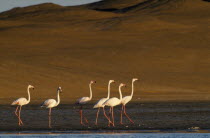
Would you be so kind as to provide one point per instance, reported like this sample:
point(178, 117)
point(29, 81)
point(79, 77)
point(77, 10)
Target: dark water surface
point(112, 135)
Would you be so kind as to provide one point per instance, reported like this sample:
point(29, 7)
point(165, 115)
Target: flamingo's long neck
point(108, 90)
point(58, 97)
point(120, 92)
point(132, 88)
point(29, 98)
point(90, 91)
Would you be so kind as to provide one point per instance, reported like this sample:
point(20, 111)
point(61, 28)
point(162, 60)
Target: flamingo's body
point(99, 104)
point(50, 103)
point(125, 100)
point(20, 102)
point(84, 100)
point(112, 102)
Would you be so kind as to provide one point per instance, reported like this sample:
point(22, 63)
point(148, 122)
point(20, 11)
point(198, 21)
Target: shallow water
point(147, 116)
point(164, 133)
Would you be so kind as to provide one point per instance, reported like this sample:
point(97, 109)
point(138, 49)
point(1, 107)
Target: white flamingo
point(20, 102)
point(112, 102)
point(84, 100)
point(125, 100)
point(50, 103)
point(99, 104)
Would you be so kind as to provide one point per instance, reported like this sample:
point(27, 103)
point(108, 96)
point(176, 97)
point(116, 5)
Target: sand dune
point(165, 43)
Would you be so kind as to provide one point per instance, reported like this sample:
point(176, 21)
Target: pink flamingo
point(99, 104)
point(125, 100)
point(112, 102)
point(84, 100)
point(20, 102)
point(50, 103)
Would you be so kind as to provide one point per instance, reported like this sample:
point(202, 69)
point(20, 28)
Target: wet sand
point(147, 116)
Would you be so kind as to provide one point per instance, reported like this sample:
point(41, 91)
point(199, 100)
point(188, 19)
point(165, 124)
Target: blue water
point(116, 135)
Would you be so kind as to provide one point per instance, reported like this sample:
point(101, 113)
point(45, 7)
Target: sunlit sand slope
point(165, 43)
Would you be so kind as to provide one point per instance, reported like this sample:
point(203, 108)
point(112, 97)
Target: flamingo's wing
point(126, 99)
point(49, 102)
point(20, 101)
point(83, 100)
point(77, 102)
point(100, 103)
point(112, 102)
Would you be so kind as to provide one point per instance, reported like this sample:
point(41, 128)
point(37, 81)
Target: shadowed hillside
point(165, 43)
point(135, 5)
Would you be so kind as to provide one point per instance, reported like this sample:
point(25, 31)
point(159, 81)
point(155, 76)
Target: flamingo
point(99, 104)
point(20, 102)
point(84, 100)
point(125, 100)
point(50, 103)
point(112, 102)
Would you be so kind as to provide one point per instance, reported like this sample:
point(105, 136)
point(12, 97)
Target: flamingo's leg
point(81, 116)
point(121, 115)
point(20, 118)
point(110, 111)
point(49, 118)
point(106, 116)
point(113, 116)
point(20, 121)
point(85, 118)
point(96, 123)
point(50, 112)
point(16, 111)
point(128, 116)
